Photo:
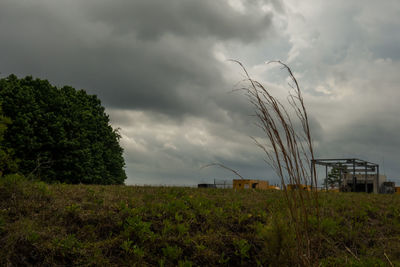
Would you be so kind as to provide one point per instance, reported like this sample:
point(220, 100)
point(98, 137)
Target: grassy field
point(157, 226)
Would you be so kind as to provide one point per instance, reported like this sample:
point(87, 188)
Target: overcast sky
point(160, 68)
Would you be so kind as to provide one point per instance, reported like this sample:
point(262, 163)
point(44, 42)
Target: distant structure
point(364, 182)
point(239, 184)
point(356, 175)
point(387, 188)
point(249, 183)
point(223, 183)
point(206, 186)
point(216, 184)
point(397, 190)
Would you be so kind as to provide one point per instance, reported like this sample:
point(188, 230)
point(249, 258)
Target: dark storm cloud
point(154, 55)
point(151, 19)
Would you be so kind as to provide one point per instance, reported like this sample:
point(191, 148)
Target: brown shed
point(250, 183)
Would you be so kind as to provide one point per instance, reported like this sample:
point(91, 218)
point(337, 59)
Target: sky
point(162, 70)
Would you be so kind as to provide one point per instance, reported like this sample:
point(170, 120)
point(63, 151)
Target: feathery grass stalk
point(289, 152)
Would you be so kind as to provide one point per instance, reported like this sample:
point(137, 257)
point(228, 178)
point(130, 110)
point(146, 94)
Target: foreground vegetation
point(85, 225)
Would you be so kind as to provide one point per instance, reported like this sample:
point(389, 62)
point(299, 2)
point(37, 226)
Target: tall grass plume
point(289, 150)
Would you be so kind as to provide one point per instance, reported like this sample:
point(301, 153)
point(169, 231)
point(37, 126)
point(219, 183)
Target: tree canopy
point(7, 162)
point(334, 178)
point(60, 134)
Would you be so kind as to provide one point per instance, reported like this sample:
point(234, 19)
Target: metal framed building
point(357, 175)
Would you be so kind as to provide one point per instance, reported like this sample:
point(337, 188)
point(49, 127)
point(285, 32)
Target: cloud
point(150, 20)
point(156, 144)
point(133, 54)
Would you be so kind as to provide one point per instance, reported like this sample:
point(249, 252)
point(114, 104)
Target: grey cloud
point(156, 144)
point(101, 46)
point(151, 19)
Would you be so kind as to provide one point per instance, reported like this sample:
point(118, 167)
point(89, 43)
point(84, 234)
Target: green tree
point(60, 134)
point(334, 178)
point(7, 163)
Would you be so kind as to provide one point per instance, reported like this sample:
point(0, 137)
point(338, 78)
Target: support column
point(354, 175)
point(377, 180)
point(326, 177)
point(366, 185)
point(311, 173)
point(312, 168)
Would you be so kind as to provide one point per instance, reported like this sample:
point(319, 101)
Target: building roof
point(350, 164)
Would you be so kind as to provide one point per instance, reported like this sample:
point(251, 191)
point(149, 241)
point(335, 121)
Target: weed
point(185, 263)
point(242, 248)
point(223, 259)
point(178, 217)
point(168, 227)
point(277, 241)
point(161, 262)
point(138, 252)
point(329, 226)
point(43, 190)
point(138, 228)
point(182, 229)
point(172, 252)
point(70, 242)
point(2, 224)
point(126, 246)
point(130, 248)
point(73, 209)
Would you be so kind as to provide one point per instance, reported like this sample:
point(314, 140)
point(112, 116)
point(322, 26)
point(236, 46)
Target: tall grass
point(289, 150)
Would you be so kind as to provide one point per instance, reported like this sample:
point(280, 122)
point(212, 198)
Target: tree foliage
point(7, 162)
point(334, 178)
point(60, 134)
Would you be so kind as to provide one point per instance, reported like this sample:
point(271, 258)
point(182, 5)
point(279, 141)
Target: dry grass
point(289, 151)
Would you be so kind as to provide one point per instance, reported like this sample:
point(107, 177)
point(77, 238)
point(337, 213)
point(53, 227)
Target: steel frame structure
point(349, 165)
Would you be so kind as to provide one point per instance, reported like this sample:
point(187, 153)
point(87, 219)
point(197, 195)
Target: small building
point(360, 182)
point(397, 190)
point(387, 188)
point(250, 183)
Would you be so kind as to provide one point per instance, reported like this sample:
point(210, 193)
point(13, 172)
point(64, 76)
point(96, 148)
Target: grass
point(156, 226)
point(288, 148)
